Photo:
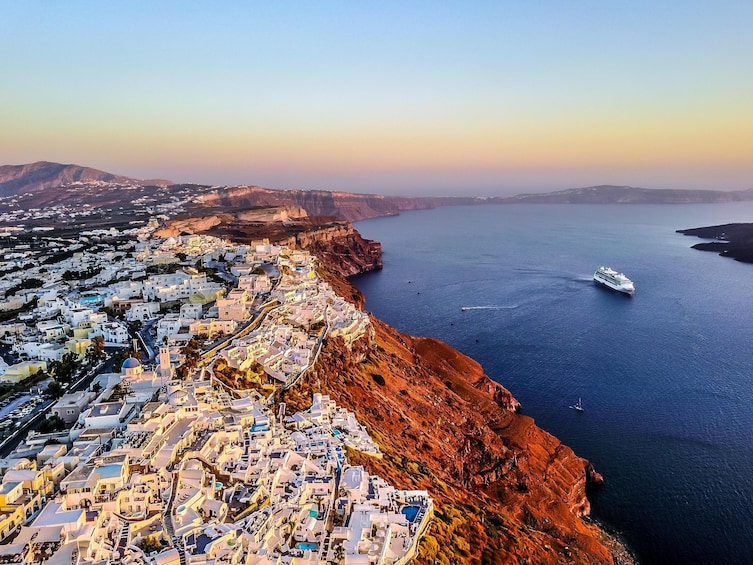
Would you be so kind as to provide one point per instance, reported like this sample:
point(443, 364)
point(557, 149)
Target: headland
point(504, 489)
point(731, 240)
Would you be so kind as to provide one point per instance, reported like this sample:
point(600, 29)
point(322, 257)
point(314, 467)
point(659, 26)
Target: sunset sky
point(388, 97)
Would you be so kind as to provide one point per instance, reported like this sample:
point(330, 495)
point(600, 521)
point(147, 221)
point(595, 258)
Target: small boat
point(578, 406)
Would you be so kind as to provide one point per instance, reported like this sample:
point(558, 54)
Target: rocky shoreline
point(732, 240)
point(621, 552)
point(517, 478)
point(505, 490)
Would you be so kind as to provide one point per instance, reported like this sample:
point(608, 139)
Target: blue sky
point(403, 97)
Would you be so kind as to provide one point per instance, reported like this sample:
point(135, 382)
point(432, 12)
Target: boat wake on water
point(464, 308)
point(548, 273)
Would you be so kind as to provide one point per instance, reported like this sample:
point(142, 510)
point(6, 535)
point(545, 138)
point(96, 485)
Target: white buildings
point(114, 333)
point(142, 311)
point(217, 474)
point(235, 306)
point(108, 415)
point(70, 406)
point(180, 285)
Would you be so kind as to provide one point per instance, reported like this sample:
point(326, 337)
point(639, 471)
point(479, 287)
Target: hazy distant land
point(43, 184)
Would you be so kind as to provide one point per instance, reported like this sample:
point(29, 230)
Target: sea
point(665, 376)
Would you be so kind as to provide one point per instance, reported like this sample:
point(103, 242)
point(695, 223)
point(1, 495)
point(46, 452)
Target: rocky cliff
point(340, 247)
point(344, 205)
point(731, 240)
point(335, 242)
point(505, 490)
point(43, 184)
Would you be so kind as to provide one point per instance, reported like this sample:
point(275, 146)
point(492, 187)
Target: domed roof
point(131, 363)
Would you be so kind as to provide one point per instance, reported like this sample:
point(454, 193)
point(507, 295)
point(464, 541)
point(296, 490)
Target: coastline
point(455, 432)
point(618, 549)
point(548, 350)
point(432, 353)
point(621, 551)
point(729, 240)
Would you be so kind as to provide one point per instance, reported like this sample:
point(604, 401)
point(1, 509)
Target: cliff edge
point(505, 490)
point(334, 241)
point(731, 240)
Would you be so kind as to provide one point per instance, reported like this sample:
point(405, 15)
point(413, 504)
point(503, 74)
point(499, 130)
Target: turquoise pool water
point(304, 545)
point(110, 471)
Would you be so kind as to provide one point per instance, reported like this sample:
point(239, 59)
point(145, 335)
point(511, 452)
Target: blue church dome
point(131, 363)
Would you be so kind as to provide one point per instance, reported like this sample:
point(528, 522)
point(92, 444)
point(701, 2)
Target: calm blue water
point(666, 377)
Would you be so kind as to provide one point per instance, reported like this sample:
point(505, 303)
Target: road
point(12, 441)
point(144, 336)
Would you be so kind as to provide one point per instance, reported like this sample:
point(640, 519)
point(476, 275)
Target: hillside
point(333, 240)
point(505, 490)
point(346, 205)
point(43, 175)
point(75, 191)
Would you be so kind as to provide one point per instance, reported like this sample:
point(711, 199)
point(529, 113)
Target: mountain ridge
point(43, 184)
point(45, 175)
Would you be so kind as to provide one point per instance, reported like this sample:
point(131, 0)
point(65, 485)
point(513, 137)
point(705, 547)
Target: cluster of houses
point(287, 340)
point(152, 469)
point(16, 211)
point(206, 478)
point(183, 303)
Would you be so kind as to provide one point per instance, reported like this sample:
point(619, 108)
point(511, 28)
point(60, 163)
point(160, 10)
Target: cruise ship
point(614, 280)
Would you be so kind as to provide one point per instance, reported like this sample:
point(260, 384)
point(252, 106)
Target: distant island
point(609, 194)
point(732, 240)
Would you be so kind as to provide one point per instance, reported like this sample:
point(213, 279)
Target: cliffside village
point(159, 460)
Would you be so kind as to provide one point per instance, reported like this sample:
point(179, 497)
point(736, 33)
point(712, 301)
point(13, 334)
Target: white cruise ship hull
point(614, 281)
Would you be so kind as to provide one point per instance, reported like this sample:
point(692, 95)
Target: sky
point(415, 98)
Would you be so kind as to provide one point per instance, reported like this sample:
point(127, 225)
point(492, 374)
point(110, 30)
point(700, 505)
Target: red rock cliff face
point(506, 491)
point(335, 242)
point(344, 205)
point(340, 247)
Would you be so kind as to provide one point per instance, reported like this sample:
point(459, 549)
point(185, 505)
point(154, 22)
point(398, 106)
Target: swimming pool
point(410, 512)
point(305, 545)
